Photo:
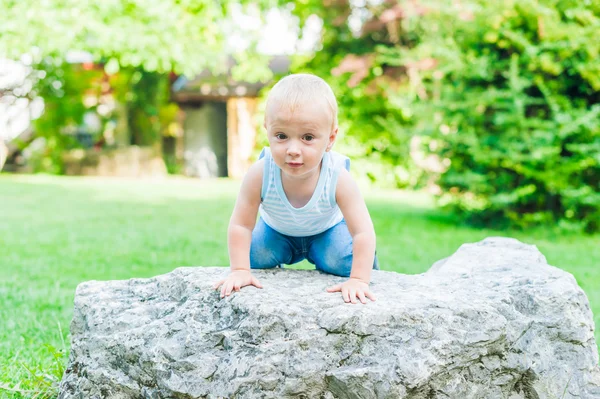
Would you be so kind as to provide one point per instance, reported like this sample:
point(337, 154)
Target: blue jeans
point(330, 251)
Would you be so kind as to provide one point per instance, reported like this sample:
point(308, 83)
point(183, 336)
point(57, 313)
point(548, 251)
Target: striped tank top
point(319, 214)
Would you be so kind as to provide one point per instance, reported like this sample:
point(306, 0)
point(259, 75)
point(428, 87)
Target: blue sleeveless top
point(319, 214)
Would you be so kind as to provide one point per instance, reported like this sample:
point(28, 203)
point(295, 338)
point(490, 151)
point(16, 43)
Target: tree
point(143, 41)
point(504, 96)
point(184, 36)
point(372, 85)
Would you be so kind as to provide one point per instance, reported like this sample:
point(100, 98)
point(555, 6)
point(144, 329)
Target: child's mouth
point(294, 164)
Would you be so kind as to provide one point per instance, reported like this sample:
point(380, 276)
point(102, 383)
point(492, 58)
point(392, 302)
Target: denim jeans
point(330, 251)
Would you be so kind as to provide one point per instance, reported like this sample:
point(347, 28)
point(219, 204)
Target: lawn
point(56, 232)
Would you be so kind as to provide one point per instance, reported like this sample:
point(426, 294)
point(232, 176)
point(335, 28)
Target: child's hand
point(235, 281)
point(353, 289)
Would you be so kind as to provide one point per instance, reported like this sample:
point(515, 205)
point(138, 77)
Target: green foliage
point(184, 36)
point(353, 63)
point(517, 112)
point(139, 43)
point(62, 88)
point(40, 381)
point(70, 91)
point(504, 98)
point(147, 94)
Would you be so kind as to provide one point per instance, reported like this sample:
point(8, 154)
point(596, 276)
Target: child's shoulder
point(256, 169)
point(253, 180)
point(339, 161)
point(346, 188)
point(265, 153)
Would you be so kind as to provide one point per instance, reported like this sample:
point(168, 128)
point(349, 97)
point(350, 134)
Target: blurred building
point(215, 138)
point(219, 127)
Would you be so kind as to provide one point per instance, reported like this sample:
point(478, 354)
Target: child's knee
point(262, 258)
point(339, 264)
point(335, 263)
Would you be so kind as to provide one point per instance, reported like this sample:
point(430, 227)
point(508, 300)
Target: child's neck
point(299, 191)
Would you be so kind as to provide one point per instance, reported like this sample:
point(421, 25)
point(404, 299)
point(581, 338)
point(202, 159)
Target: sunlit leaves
point(181, 35)
point(505, 95)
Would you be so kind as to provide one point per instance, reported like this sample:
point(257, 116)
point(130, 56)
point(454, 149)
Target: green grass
point(56, 232)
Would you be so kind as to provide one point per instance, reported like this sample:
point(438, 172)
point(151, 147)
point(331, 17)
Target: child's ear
point(332, 138)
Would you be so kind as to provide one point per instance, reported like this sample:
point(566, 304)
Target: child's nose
point(293, 149)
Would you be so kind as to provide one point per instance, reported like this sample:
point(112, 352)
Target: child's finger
point(352, 295)
point(226, 291)
point(217, 284)
point(345, 295)
point(370, 295)
point(361, 296)
point(237, 286)
point(230, 288)
point(335, 288)
point(256, 283)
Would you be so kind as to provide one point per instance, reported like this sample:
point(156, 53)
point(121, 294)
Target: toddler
point(309, 205)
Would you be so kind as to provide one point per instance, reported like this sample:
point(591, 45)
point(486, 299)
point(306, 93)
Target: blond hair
point(295, 90)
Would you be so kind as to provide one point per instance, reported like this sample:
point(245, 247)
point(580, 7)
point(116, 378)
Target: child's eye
point(309, 137)
point(280, 136)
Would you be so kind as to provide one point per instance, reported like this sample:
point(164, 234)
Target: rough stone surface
point(491, 321)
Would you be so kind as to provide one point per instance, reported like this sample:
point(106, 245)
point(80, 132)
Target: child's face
point(299, 139)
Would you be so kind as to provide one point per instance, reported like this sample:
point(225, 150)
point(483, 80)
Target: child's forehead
point(285, 111)
point(307, 120)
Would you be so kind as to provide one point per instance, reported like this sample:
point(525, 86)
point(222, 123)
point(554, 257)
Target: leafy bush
point(517, 112)
point(504, 96)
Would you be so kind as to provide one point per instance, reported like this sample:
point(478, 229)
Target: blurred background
point(478, 102)
point(125, 126)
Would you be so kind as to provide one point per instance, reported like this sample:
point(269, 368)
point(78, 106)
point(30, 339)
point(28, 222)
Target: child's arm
point(239, 233)
point(359, 223)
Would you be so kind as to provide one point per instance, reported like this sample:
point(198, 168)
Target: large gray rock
point(491, 321)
